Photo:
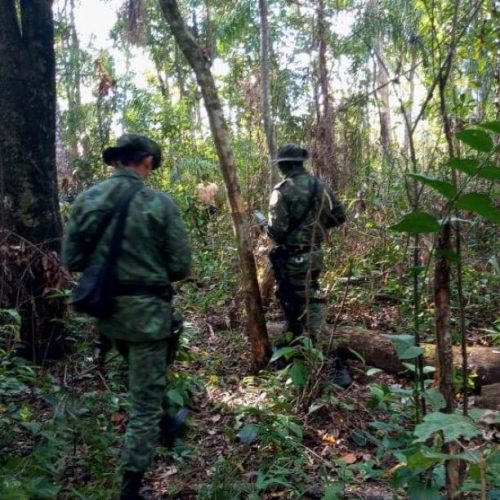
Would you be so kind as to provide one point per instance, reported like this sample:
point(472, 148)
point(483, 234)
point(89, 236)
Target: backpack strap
point(310, 204)
point(122, 211)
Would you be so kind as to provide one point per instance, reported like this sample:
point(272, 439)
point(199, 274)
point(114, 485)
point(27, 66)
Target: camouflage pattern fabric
point(155, 251)
point(304, 265)
point(147, 366)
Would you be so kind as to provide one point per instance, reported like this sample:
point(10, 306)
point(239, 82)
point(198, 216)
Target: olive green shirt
point(290, 199)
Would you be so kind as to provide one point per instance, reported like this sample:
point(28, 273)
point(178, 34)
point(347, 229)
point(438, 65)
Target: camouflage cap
point(291, 153)
point(129, 144)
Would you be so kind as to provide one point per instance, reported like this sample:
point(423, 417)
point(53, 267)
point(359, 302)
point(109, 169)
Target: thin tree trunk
point(323, 154)
point(266, 91)
point(384, 110)
point(30, 224)
point(454, 468)
point(256, 326)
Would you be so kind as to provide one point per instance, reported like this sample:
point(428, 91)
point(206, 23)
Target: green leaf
point(411, 352)
point(434, 397)
point(298, 373)
point(284, 352)
point(416, 222)
point(405, 346)
point(490, 172)
point(333, 492)
point(492, 126)
point(176, 397)
point(445, 188)
point(419, 460)
point(471, 167)
point(373, 371)
point(422, 491)
point(480, 204)
point(476, 139)
point(466, 165)
point(453, 426)
point(249, 433)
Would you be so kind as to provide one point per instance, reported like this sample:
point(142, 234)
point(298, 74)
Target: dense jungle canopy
point(398, 105)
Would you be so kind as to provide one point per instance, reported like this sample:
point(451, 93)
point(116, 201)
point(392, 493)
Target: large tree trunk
point(30, 225)
point(266, 91)
point(256, 326)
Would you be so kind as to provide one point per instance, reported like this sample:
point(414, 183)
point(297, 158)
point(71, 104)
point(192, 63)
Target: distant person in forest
point(154, 253)
point(302, 209)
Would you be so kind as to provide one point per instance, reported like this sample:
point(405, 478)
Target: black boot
point(172, 428)
point(341, 376)
point(131, 485)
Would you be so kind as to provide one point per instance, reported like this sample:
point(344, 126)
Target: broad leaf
point(490, 172)
point(480, 204)
point(285, 352)
point(416, 222)
point(249, 433)
point(298, 373)
point(405, 346)
point(421, 491)
point(453, 426)
point(434, 397)
point(466, 165)
point(176, 397)
point(471, 167)
point(476, 139)
point(445, 188)
point(493, 126)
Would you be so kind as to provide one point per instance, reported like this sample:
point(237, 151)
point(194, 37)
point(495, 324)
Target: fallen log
point(378, 351)
point(490, 396)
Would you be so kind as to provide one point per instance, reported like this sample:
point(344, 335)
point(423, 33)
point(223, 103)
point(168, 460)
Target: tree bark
point(256, 326)
point(384, 108)
point(30, 224)
point(266, 91)
point(323, 151)
point(377, 350)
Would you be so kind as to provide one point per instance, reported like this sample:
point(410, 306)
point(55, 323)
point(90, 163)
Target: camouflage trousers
point(147, 371)
point(303, 271)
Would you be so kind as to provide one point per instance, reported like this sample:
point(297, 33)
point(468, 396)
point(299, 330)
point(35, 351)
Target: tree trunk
point(256, 326)
point(384, 108)
point(30, 223)
point(377, 350)
point(266, 92)
point(323, 150)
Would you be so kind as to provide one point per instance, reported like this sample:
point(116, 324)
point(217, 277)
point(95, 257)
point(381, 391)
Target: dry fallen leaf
point(348, 458)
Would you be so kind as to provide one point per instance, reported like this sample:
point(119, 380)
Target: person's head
point(291, 156)
point(134, 151)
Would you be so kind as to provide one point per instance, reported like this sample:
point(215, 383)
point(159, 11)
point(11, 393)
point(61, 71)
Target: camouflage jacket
point(289, 200)
point(155, 251)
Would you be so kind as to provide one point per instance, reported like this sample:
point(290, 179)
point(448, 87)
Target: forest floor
point(248, 437)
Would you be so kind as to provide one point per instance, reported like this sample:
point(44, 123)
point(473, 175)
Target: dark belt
point(162, 291)
point(298, 249)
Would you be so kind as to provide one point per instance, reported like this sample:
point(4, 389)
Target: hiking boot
point(172, 428)
point(341, 376)
point(131, 485)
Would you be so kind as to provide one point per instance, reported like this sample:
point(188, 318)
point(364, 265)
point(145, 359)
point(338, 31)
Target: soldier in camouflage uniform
point(302, 209)
point(155, 252)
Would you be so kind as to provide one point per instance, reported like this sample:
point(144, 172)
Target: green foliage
point(452, 426)
point(417, 222)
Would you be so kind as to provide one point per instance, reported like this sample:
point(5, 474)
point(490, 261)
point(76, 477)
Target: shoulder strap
point(312, 198)
point(108, 217)
point(122, 211)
